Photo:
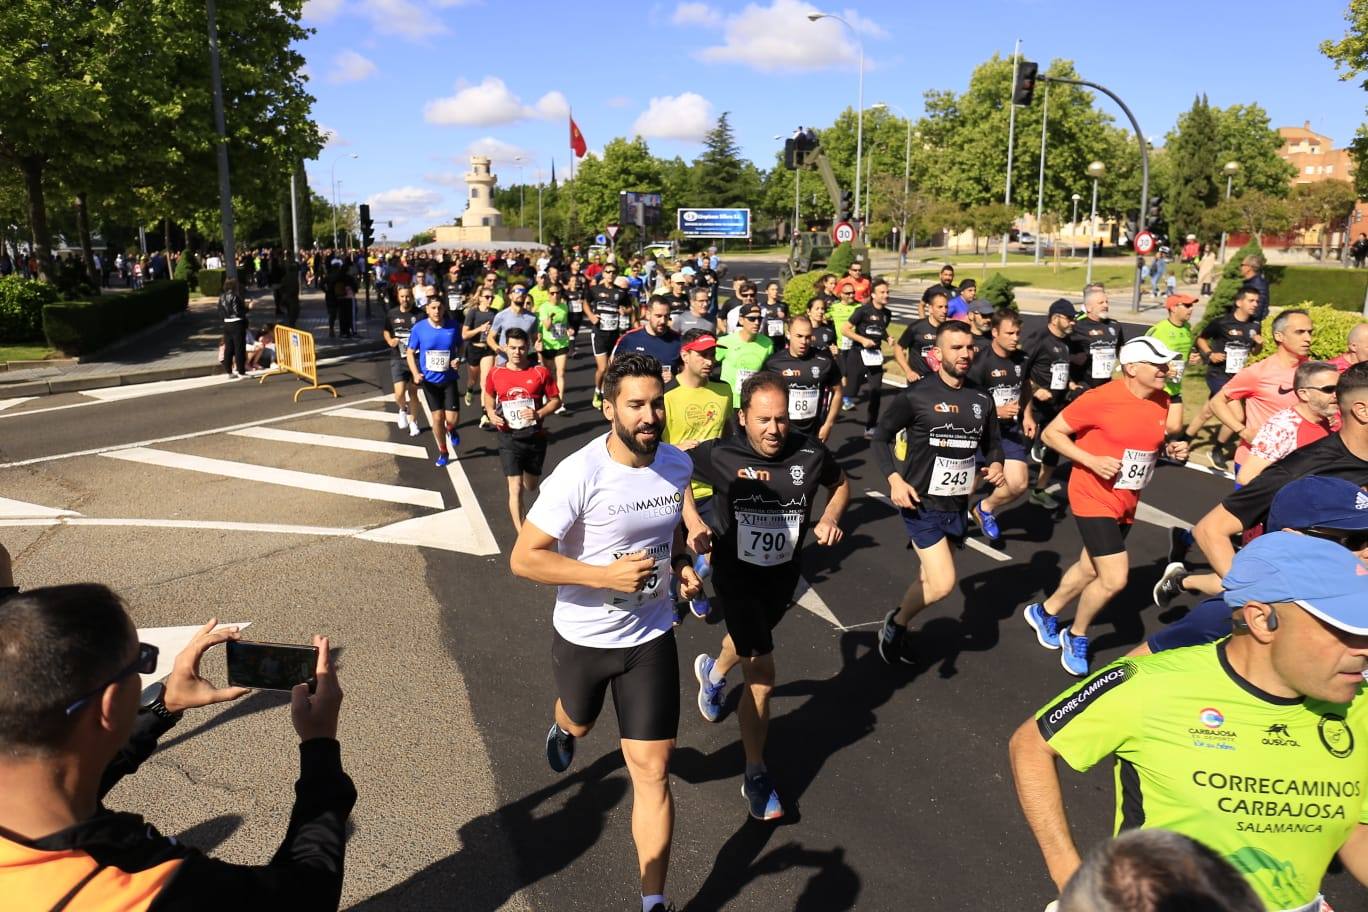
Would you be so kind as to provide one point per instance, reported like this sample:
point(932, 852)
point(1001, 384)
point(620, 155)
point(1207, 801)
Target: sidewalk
point(186, 345)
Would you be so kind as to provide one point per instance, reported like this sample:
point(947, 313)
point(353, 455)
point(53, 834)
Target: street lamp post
point(1230, 170)
point(225, 190)
point(1095, 170)
point(859, 104)
point(522, 202)
point(332, 175)
point(1073, 227)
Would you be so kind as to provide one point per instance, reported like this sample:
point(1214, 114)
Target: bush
point(187, 269)
point(800, 290)
point(21, 308)
point(82, 327)
point(1223, 295)
point(998, 290)
point(211, 282)
point(841, 258)
point(1334, 287)
point(1331, 334)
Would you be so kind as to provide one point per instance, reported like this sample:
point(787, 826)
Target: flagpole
point(570, 224)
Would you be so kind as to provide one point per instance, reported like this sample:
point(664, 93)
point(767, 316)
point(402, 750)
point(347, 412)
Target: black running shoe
point(1180, 541)
point(1219, 458)
point(1170, 585)
point(891, 639)
point(560, 748)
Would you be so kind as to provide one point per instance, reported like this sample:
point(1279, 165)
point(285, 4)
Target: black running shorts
point(602, 342)
point(644, 678)
point(752, 607)
point(1103, 535)
point(441, 396)
point(520, 455)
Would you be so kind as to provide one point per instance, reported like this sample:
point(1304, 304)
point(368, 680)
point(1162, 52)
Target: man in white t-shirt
point(606, 532)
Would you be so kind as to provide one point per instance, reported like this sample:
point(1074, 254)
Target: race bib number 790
point(767, 539)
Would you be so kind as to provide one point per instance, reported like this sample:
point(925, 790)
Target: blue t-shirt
point(957, 309)
point(434, 350)
point(506, 319)
point(664, 349)
point(1207, 622)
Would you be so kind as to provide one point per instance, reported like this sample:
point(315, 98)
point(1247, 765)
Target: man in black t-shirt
point(1226, 345)
point(946, 286)
point(811, 378)
point(399, 323)
point(1000, 371)
point(604, 308)
point(915, 350)
point(765, 480)
point(867, 328)
point(1047, 366)
point(1095, 341)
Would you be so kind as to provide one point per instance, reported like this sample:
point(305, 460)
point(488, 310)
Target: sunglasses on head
point(145, 663)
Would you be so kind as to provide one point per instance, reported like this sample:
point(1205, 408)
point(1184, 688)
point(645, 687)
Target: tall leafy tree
point(721, 177)
point(1350, 56)
point(1193, 153)
point(1326, 204)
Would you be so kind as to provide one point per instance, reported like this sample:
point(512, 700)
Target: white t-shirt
point(599, 509)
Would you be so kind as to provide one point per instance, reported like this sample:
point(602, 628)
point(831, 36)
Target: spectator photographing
point(71, 726)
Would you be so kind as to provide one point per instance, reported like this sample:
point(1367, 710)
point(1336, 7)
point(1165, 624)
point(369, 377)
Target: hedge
point(838, 264)
point(998, 291)
point(82, 327)
point(1330, 331)
point(211, 282)
point(21, 308)
point(1330, 286)
point(187, 269)
point(800, 290)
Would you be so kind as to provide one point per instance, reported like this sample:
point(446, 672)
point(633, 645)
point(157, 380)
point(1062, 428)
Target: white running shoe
point(413, 429)
point(401, 419)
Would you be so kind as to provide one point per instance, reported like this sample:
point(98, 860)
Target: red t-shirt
point(592, 271)
point(1341, 362)
point(1284, 432)
point(518, 394)
point(861, 286)
point(1110, 421)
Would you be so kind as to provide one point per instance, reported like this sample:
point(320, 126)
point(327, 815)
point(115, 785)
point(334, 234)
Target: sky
point(412, 88)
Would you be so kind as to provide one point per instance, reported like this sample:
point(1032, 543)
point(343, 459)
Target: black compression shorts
point(1103, 535)
point(644, 678)
point(441, 396)
point(602, 342)
point(752, 609)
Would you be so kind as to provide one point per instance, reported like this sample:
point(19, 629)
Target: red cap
point(702, 343)
point(1174, 300)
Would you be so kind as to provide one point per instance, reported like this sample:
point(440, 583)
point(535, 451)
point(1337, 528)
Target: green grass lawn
point(35, 352)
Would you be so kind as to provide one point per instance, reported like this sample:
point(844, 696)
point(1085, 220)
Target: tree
point(989, 220)
point(1324, 203)
point(721, 177)
point(1192, 149)
point(625, 165)
point(422, 237)
point(1256, 212)
point(1247, 136)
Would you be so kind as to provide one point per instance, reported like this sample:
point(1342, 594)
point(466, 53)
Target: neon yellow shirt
point(696, 414)
point(1178, 338)
point(1275, 786)
point(740, 359)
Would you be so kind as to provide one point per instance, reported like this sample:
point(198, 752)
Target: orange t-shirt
point(1111, 421)
point(861, 285)
point(1266, 388)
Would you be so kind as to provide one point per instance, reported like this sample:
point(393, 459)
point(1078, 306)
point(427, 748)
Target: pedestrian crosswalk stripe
point(363, 414)
point(291, 478)
point(333, 440)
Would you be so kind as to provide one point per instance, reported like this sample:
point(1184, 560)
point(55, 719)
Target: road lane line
point(478, 537)
point(11, 403)
point(209, 524)
point(1155, 516)
point(290, 478)
point(18, 509)
point(226, 429)
point(139, 390)
point(332, 440)
point(364, 414)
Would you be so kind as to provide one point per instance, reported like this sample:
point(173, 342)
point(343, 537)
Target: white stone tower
point(480, 211)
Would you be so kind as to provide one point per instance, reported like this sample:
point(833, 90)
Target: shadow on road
point(212, 833)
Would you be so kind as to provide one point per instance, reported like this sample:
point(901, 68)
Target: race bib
point(608, 322)
point(666, 372)
point(872, 357)
point(1103, 363)
point(1236, 356)
point(767, 539)
point(1059, 376)
point(558, 332)
point(774, 327)
point(952, 477)
point(1005, 395)
point(845, 343)
point(520, 413)
point(1176, 370)
point(402, 338)
point(455, 301)
point(742, 375)
point(657, 583)
point(436, 360)
point(1137, 467)
point(803, 403)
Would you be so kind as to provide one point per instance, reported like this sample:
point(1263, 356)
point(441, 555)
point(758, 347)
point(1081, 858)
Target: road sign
point(843, 232)
point(714, 223)
point(611, 231)
point(1144, 243)
point(601, 240)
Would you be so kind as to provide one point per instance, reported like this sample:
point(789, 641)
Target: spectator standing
point(1206, 272)
point(232, 310)
point(1251, 270)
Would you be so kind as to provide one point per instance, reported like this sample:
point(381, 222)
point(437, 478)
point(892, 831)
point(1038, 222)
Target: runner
point(606, 532)
point(766, 478)
point(1175, 331)
point(980, 320)
point(839, 313)
point(1226, 344)
point(655, 338)
point(960, 303)
point(823, 336)
point(1113, 435)
point(475, 332)
point(775, 317)
point(1095, 341)
point(1000, 371)
point(946, 423)
point(867, 328)
point(1315, 384)
point(811, 379)
point(945, 286)
point(398, 324)
point(743, 352)
point(1266, 386)
point(678, 295)
point(1252, 745)
point(601, 308)
point(518, 396)
point(516, 314)
point(553, 330)
point(1048, 367)
point(433, 342)
point(915, 350)
point(696, 317)
point(745, 296)
point(856, 279)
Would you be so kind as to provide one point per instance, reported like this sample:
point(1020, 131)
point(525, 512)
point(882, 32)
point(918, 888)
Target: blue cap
point(1319, 502)
point(1324, 578)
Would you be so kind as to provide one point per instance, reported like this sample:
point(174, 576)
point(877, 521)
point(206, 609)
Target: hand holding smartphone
point(271, 666)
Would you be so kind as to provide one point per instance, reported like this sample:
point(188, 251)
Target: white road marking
point(363, 414)
point(807, 597)
point(478, 538)
point(1153, 515)
point(210, 524)
point(138, 390)
point(226, 429)
point(170, 642)
point(450, 530)
point(974, 543)
point(333, 440)
point(11, 403)
point(289, 478)
point(17, 509)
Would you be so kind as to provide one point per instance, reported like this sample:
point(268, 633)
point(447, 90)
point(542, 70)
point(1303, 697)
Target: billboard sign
point(715, 223)
point(636, 208)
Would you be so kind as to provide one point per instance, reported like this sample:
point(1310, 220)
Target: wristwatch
point(153, 701)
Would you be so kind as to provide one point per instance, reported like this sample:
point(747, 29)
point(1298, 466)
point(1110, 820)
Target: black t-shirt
point(764, 505)
point(948, 290)
point(1094, 345)
point(1001, 378)
point(400, 323)
point(981, 342)
point(823, 336)
point(1327, 456)
point(945, 428)
point(919, 339)
point(811, 383)
point(608, 302)
point(475, 318)
point(678, 302)
point(773, 323)
point(1235, 338)
point(1048, 364)
point(871, 322)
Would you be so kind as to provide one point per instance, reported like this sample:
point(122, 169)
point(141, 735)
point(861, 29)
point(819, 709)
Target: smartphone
point(271, 666)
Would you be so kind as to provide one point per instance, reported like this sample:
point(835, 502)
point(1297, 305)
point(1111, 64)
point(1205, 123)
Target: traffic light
point(798, 147)
point(846, 206)
point(1024, 90)
point(1155, 214)
point(367, 226)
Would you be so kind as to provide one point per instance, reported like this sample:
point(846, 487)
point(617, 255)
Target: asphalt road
point(896, 779)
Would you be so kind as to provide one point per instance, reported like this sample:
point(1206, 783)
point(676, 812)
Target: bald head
point(1357, 345)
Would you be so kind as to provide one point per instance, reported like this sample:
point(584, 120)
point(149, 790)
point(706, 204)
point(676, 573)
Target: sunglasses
point(751, 319)
point(1354, 541)
point(145, 663)
point(1331, 388)
point(486, 297)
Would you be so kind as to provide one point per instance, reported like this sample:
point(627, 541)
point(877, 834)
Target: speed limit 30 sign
point(1144, 243)
point(843, 232)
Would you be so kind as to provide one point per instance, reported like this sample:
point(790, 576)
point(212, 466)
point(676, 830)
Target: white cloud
point(349, 66)
point(687, 116)
point(403, 18)
point(404, 203)
point(489, 103)
point(696, 14)
point(496, 150)
point(781, 37)
point(321, 10)
point(331, 138)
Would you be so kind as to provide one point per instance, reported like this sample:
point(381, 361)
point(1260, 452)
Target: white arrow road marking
point(333, 440)
point(170, 641)
point(17, 509)
point(11, 403)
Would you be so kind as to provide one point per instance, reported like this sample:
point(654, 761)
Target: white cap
point(1147, 350)
point(678, 277)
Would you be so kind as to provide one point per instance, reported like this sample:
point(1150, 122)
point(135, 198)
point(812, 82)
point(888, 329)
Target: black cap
point(1064, 308)
point(968, 283)
point(750, 310)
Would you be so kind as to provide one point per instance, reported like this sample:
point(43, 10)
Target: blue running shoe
point(442, 459)
point(453, 440)
point(1074, 653)
point(762, 798)
point(560, 748)
point(846, 404)
point(701, 607)
point(709, 694)
point(1046, 625)
point(986, 521)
